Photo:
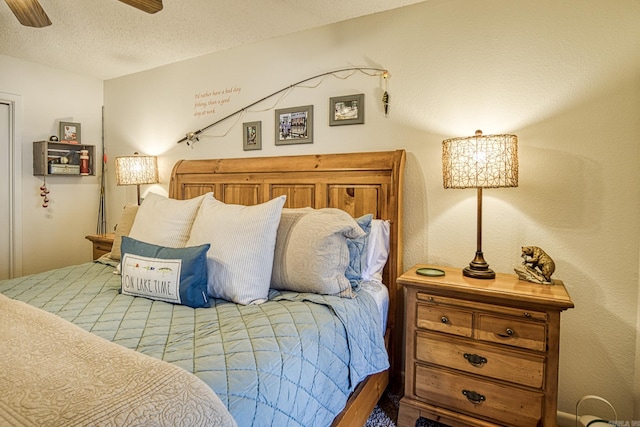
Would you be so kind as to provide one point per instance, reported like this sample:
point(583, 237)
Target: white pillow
point(377, 250)
point(243, 239)
point(311, 251)
point(165, 222)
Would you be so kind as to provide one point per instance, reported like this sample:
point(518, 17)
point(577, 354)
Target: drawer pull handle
point(473, 397)
point(508, 333)
point(475, 360)
point(444, 319)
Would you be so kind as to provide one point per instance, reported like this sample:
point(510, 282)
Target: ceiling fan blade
point(29, 13)
point(149, 6)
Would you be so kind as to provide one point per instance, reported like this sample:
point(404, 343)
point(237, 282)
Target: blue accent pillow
point(358, 252)
point(175, 275)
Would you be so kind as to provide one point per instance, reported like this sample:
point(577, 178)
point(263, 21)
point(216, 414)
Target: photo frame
point(294, 125)
point(252, 136)
point(346, 110)
point(69, 132)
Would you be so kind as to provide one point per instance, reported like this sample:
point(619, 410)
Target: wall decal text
point(206, 102)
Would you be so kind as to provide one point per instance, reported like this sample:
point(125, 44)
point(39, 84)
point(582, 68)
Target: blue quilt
point(292, 361)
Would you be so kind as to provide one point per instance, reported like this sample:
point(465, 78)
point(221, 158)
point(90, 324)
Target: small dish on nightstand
point(431, 272)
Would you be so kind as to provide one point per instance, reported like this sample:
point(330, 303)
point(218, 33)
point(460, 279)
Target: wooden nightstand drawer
point(481, 352)
point(508, 405)
point(481, 359)
point(514, 332)
point(478, 306)
point(445, 319)
point(101, 248)
point(102, 244)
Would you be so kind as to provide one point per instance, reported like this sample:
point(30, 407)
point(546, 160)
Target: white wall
point(563, 75)
point(54, 237)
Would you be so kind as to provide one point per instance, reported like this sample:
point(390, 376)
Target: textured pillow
point(176, 275)
point(165, 222)
point(377, 250)
point(358, 252)
point(311, 251)
point(242, 241)
point(123, 227)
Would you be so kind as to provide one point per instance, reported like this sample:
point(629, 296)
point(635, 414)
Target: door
point(10, 185)
point(5, 180)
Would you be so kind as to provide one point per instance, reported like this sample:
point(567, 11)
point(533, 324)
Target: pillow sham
point(358, 251)
point(123, 228)
point(175, 275)
point(165, 222)
point(377, 250)
point(311, 251)
point(243, 240)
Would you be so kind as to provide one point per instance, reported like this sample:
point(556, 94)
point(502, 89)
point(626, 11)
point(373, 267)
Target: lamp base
point(479, 269)
point(479, 274)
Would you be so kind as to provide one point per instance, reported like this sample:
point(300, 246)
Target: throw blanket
point(56, 374)
point(292, 361)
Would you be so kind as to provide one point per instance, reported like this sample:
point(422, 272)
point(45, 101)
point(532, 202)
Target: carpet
point(385, 413)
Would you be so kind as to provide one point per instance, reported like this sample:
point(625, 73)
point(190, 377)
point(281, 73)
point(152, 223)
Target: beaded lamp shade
point(486, 161)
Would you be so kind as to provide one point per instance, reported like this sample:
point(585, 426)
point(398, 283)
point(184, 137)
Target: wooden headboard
point(358, 183)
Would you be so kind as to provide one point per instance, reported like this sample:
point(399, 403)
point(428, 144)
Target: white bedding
point(55, 373)
point(377, 254)
point(380, 294)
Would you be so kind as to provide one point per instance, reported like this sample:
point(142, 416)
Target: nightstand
point(102, 243)
point(481, 352)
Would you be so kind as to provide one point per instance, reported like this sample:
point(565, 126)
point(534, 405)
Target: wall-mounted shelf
point(59, 158)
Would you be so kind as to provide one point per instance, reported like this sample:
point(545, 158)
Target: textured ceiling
point(108, 39)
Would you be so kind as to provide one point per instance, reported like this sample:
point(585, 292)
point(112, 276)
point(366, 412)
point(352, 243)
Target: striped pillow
point(243, 240)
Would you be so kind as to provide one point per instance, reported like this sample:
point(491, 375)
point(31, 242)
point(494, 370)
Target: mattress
point(292, 361)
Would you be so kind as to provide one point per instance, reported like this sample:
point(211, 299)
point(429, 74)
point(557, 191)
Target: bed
point(344, 357)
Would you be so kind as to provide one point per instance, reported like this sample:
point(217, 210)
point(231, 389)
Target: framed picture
point(252, 136)
point(294, 125)
point(346, 110)
point(70, 132)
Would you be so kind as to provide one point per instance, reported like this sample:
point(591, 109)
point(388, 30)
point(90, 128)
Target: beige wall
point(54, 237)
point(562, 75)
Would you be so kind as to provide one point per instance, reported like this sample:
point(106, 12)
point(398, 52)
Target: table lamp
point(136, 170)
point(480, 161)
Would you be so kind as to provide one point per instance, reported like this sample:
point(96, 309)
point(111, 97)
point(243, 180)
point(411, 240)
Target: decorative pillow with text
point(175, 275)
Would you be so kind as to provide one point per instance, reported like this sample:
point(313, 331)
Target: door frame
point(14, 174)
